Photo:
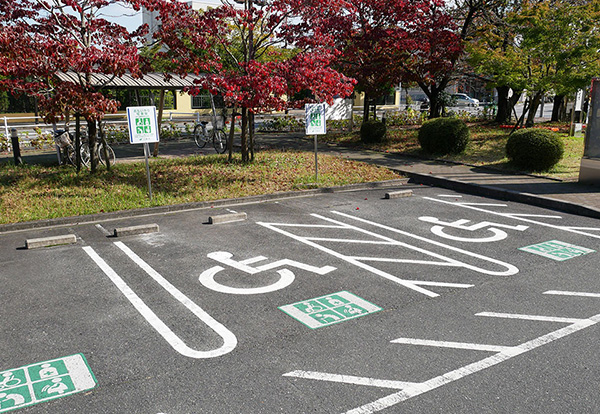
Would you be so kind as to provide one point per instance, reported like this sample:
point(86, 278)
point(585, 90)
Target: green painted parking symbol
point(329, 309)
point(557, 250)
point(44, 381)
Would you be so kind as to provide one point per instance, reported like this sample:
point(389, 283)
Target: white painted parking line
point(484, 204)
point(410, 389)
point(529, 317)
point(229, 339)
point(522, 217)
point(567, 293)
point(457, 374)
point(454, 345)
point(350, 379)
point(535, 215)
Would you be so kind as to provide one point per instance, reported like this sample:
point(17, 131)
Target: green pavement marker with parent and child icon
point(44, 381)
point(329, 309)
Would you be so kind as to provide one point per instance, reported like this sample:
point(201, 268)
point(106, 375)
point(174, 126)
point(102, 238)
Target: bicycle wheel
point(219, 141)
point(85, 155)
point(69, 155)
point(199, 136)
point(112, 158)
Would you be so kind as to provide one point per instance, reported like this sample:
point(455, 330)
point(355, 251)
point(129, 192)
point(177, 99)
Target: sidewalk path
point(570, 197)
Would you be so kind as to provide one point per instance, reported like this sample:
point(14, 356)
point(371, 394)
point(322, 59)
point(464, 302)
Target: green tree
point(540, 47)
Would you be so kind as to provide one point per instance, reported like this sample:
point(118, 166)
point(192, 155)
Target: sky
point(132, 19)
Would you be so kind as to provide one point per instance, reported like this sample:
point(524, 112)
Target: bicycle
point(64, 140)
point(202, 136)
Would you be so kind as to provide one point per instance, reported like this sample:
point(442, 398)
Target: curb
point(114, 215)
point(503, 194)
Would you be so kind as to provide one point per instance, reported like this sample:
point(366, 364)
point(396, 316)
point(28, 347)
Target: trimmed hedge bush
point(534, 149)
point(444, 136)
point(372, 131)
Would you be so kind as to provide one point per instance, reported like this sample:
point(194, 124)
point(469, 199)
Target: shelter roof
point(152, 80)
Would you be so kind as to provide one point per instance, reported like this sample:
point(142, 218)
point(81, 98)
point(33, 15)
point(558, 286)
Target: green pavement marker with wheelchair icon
point(557, 250)
point(329, 309)
point(44, 381)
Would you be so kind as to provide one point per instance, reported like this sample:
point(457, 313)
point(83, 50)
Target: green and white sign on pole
point(315, 124)
point(329, 309)
point(557, 250)
point(143, 129)
point(44, 381)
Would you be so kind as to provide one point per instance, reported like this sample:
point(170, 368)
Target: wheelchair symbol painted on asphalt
point(462, 224)
point(286, 277)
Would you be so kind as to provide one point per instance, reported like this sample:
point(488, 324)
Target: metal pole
point(316, 162)
point(14, 136)
point(6, 127)
point(146, 154)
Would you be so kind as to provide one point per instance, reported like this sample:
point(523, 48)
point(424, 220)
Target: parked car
point(462, 99)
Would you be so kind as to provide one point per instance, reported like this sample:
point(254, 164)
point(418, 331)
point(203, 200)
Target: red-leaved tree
point(41, 38)
point(258, 55)
point(373, 35)
point(432, 63)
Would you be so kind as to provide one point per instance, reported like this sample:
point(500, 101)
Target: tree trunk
point(78, 142)
point(558, 106)
point(92, 135)
point(366, 105)
point(535, 102)
point(104, 145)
point(503, 115)
point(436, 106)
point(231, 134)
point(244, 137)
point(251, 134)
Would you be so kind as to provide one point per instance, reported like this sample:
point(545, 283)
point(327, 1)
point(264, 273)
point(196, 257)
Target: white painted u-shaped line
point(229, 339)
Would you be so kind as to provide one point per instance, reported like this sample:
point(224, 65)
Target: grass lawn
point(34, 192)
point(487, 148)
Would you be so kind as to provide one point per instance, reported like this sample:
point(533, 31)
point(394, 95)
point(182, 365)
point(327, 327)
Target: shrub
point(444, 136)
point(534, 149)
point(283, 123)
point(372, 131)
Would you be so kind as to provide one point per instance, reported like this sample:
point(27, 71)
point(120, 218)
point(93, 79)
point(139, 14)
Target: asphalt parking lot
point(335, 303)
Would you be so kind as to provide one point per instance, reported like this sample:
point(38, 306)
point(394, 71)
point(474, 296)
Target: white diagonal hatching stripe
point(354, 241)
point(530, 317)
point(455, 345)
point(457, 374)
point(350, 379)
point(392, 260)
point(406, 283)
point(509, 269)
point(567, 293)
point(483, 204)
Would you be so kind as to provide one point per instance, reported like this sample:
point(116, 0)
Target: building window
point(201, 102)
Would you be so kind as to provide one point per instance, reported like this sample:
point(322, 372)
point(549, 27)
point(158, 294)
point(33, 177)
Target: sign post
point(589, 170)
point(143, 129)
point(315, 125)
